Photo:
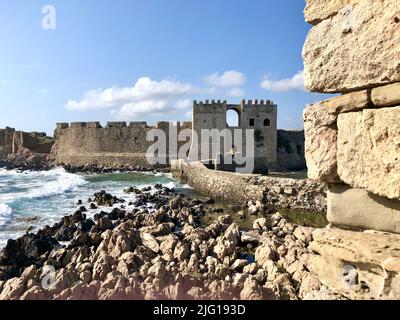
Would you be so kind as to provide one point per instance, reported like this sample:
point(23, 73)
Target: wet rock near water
point(160, 253)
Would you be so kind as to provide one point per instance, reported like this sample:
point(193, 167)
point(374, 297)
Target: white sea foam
point(61, 181)
point(5, 213)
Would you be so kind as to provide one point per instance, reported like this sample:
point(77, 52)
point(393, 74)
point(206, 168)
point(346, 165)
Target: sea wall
point(278, 193)
point(116, 145)
point(352, 142)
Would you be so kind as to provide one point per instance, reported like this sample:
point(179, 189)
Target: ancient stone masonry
point(116, 145)
point(275, 193)
point(13, 142)
point(260, 116)
point(352, 141)
point(123, 145)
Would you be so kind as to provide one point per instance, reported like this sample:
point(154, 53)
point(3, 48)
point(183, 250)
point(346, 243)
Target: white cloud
point(145, 89)
point(294, 83)
point(33, 65)
point(225, 80)
point(183, 104)
point(236, 92)
point(134, 109)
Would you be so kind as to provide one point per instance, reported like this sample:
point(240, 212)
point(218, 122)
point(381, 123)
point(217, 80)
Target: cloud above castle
point(168, 96)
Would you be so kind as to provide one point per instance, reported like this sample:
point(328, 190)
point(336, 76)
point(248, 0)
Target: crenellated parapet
point(257, 103)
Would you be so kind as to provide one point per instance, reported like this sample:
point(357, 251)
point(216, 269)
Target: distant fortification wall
point(291, 150)
point(121, 144)
point(13, 142)
point(116, 145)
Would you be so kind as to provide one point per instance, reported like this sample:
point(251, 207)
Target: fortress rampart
point(123, 144)
point(14, 142)
point(118, 144)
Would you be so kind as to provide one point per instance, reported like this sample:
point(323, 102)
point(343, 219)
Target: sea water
point(33, 199)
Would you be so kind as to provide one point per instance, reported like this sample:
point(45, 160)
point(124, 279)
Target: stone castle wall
point(352, 141)
point(291, 150)
point(260, 116)
point(89, 144)
point(117, 145)
point(14, 142)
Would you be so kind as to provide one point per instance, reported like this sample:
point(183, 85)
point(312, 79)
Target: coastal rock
point(265, 253)
point(335, 50)
point(261, 223)
point(150, 242)
point(181, 251)
point(251, 291)
point(102, 266)
point(238, 265)
point(13, 289)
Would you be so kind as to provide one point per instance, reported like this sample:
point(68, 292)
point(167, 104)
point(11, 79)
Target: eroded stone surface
point(360, 265)
point(386, 96)
point(353, 101)
point(369, 150)
point(318, 10)
point(357, 48)
point(358, 208)
point(320, 143)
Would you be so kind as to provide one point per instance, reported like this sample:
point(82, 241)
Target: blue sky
point(146, 60)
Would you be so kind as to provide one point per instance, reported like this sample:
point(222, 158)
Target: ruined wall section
point(117, 145)
point(278, 193)
point(14, 142)
point(352, 141)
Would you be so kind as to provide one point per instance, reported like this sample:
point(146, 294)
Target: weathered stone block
point(360, 265)
point(318, 10)
point(386, 96)
point(358, 208)
point(368, 150)
point(355, 49)
point(354, 101)
point(320, 143)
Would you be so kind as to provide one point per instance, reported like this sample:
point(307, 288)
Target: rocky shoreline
point(160, 250)
point(38, 162)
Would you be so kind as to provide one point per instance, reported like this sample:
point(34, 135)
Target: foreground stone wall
point(352, 142)
point(279, 193)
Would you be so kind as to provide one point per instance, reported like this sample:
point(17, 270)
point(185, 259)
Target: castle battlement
point(123, 124)
point(257, 103)
point(215, 103)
